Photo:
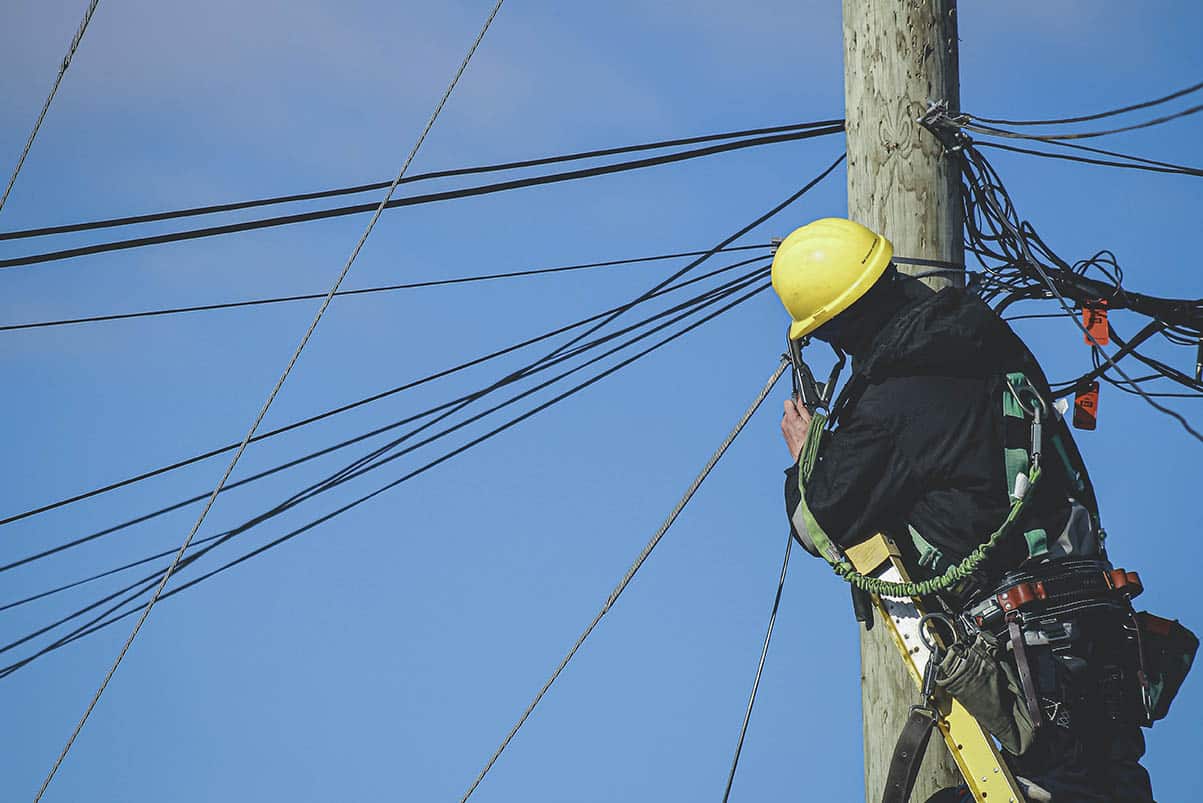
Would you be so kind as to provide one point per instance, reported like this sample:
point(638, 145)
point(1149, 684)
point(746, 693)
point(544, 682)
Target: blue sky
point(384, 655)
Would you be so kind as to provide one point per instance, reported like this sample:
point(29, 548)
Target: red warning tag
point(1086, 407)
point(1094, 318)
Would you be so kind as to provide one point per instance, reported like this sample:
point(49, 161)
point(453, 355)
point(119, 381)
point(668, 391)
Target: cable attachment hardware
point(946, 126)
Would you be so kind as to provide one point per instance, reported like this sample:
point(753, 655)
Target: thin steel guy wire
point(630, 575)
point(62, 70)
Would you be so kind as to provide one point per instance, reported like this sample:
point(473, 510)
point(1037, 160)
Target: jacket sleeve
point(861, 485)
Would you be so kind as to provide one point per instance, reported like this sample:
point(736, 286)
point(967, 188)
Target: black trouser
point(1089, 746)
point(1074, 767)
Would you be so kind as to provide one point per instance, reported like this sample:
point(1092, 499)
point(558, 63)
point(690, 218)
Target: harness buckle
point(1125, 582)
point(1017, 596)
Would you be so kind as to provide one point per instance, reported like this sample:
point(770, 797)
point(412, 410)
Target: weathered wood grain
point(898, 54)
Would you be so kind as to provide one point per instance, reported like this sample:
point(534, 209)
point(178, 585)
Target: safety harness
point(1024, 469)
point(1024, 414)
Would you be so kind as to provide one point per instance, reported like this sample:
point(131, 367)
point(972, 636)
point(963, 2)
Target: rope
point(625, 581)
point(62, 70)
point(764, 651)
point(270, 398)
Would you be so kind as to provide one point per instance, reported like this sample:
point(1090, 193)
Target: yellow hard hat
point(825, 266)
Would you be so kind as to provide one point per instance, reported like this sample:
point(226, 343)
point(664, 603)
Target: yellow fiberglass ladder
point(970, 744)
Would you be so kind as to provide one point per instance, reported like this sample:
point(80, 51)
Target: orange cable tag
point(1094, 318)
point(1086, 407)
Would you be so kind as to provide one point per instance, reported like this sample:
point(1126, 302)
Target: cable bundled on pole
point(1019, 265)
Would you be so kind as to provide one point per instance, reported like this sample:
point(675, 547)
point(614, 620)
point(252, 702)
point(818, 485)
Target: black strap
point(849, 394)
point(1019, 648)
point(908, 755)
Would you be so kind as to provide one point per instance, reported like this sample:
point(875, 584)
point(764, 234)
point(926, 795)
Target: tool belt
point(1039, 611)
point(1057, 590)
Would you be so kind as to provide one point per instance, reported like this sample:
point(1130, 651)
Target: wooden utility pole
point(899, 54)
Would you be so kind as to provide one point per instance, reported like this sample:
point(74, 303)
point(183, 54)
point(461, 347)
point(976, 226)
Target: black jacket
point(920, 440)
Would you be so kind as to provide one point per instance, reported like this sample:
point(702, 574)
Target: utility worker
point(922, 446)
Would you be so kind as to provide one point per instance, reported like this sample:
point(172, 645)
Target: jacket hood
point(949, 333)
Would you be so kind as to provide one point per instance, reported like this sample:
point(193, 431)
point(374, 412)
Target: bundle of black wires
point(1018, 265)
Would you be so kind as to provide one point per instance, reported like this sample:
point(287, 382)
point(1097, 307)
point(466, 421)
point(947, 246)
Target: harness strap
point(908, 755)
point(1025, 671)
point(1018, 447)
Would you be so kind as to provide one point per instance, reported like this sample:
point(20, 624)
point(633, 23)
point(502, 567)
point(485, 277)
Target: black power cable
point(1152, 166)
point(352, 405)
point(764, 653)
point(995, 232)
point(367, 290)
point(446, 195)
point(454, 405)
point(99, 624)
point(597, 320)
point(152, 217)
point(341, 476)
point(1002, 132)
point(1097, 115)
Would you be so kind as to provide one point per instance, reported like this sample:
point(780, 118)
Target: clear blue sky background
point(384, 655)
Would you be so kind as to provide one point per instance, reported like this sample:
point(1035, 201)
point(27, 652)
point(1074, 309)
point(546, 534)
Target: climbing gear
point(822, 268)
point(817, 397)
point(1024, 416)
point(1056, 589)
point(806, 389)
point(970, 690)
point(1023, 473)
point(973, 673)
point(1027, 682)
point(912, 742)
point(979, 761)
point(1038, 613)
point(813, 396)
point(1024, 413)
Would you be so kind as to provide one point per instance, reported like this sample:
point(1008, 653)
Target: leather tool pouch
point(983, 681)
point(1168, 650)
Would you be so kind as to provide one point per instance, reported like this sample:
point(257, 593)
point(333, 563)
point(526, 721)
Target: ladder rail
point(972, 748)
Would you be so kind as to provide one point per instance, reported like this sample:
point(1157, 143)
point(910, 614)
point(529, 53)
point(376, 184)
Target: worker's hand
point(795, 425)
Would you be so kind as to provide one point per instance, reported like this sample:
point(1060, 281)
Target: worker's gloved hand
point(795, 424)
